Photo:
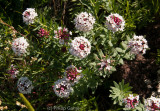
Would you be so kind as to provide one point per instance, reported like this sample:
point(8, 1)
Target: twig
point(11, 27)
point(64, 11)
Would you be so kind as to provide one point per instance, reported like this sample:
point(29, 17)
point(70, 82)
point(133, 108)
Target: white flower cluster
point(138, 45)
point(72, 74)
point(19, 46)
point(24, 85)
point(131, 102)
point(115, 22)
point(80, 47)
point(29, 15)
point(152, 104)
point(13, 71)
point(84, 22)
point(62, 88)
point(63, 34)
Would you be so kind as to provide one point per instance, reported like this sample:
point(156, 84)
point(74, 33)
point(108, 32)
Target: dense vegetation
point(59, 60)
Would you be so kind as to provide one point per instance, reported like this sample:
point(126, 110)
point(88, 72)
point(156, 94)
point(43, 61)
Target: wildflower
point(138, 45)
point(3, 108)
point(152, 104)
point(131, 102)
point(43, 32)
point(80, 47)
point(115, 22)
point(29, 15)
point(6, 48)
point(84, 22)
point(21, 105)
point(18, 103)
point(24, 85)
point(13, 71)
point(63, 34)
point(62, 88)
point(105, 63)
point(19, 46)
point(72, 74)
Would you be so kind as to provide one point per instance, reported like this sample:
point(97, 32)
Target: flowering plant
point(19, 46)
point(70, 56)
point(29, 15)
point(84, 22)
point(80, 47)
point(138, 45)
point(63, 34)
point(115, 22)
point(131, 102)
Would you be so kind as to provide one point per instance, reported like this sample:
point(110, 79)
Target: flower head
point(43, 33)
point(13, 71)
point(19, 46)
point(115, 22)
point(63, 34)
point(80, 47)
point(62, 88)
point(138, 45)
point(72, 74)
point(84, 22)
point(24, 85)
point(152, 104)
point(105, 63)
point(131, 102)
point(29, 15)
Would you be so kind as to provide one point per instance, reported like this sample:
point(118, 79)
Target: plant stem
point(27, 103)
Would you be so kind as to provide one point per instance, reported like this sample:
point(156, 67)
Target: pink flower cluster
point(43, 32)
point(80, 47)
point(62, 87)
point(105, 63)
point(63, 34)
point(84, 22)
point(29, 16)
point(138, 45)
point(72, 74)
point(13, 71)
point(115, 22)
point(131, 102)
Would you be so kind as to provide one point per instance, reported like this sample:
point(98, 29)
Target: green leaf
point(119, 49)
point(100, 53)
point(110, 44)
point(121, 61)
point(39, 59)
point(113, 69)
point(124, 46)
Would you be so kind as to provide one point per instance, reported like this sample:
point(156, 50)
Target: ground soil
point(141, 72)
